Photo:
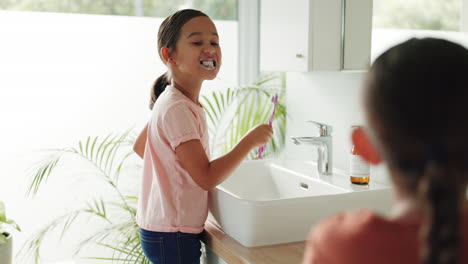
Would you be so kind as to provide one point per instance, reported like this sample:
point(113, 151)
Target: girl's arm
point(208, 174)
point(140, 142)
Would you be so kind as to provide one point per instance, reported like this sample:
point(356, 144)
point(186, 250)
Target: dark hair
point(168, 35)
point(416, 99)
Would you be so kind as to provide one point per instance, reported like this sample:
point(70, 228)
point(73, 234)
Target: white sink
point(270, 202)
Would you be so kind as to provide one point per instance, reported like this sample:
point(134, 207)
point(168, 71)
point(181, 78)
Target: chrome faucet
point(324, 147)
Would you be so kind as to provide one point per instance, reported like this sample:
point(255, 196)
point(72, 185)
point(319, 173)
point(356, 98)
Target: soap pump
point(359, 169)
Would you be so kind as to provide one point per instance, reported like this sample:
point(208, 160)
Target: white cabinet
point(300, 35)
point(312, 35)
point(357, 34)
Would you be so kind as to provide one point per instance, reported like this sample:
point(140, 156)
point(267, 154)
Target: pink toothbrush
point(274, 100)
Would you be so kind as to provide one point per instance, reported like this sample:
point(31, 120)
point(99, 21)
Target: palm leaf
point(101, 145)
point(43, 170)
point(121, 164)
point(123, 239)
point(104, 150)
point(92, 147)
point(31, 249)
point(233, 112)
point(98, 208)
point(111, 232)
point(101, 155)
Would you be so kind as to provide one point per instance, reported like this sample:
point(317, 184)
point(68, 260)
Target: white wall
point(333, 98)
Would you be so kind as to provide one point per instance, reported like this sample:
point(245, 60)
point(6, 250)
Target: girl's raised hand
point(259, 135)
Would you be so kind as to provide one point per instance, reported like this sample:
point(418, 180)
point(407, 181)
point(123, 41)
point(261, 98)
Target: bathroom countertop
point(232, 252)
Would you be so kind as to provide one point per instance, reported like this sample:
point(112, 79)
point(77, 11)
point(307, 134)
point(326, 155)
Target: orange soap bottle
point(359, 169)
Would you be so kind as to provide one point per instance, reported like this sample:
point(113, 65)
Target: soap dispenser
point(359, 169)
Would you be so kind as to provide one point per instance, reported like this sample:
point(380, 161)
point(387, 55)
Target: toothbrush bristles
point(274, 99)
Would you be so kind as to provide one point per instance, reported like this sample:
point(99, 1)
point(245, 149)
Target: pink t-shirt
point(170, 200)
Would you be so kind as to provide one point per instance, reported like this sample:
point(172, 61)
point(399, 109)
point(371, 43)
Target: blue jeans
point(171, 248)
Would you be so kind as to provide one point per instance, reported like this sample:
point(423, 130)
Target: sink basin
point(266, 202)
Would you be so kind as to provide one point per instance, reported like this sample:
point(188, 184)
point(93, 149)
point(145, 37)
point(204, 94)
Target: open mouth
point(208, 64)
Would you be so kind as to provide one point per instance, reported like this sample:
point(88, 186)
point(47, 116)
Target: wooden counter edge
point(234, 253)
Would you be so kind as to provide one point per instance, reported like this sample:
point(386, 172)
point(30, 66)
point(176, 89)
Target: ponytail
point(158, 87)
point(440, 232)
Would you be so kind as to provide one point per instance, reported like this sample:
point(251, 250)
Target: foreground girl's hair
point(417, 103)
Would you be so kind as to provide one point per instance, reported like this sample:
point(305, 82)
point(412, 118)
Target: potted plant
point(6, 237)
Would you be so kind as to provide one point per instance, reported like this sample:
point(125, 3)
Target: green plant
point(120, 233)
point(233, 112)
point(4, 221)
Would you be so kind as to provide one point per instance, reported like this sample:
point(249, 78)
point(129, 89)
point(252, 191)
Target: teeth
point(208, 64)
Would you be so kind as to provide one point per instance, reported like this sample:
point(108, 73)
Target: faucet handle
point(325, 130)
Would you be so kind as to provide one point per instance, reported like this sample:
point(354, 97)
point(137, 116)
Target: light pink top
point(170, 200)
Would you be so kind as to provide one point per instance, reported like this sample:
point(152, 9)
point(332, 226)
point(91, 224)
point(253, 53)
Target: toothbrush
point(274, 100)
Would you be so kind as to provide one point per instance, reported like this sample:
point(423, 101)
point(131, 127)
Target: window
point(395, 21)
point(417, 14)
point(67, 76)
point(216, 9)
